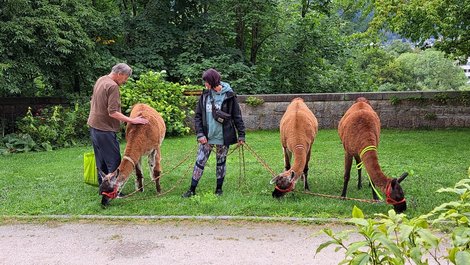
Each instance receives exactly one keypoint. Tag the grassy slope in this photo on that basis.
(52, 182)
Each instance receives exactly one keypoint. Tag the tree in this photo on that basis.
(356, 15)
(310, 54)
(446, 21)
(428, 70)
(48, 47)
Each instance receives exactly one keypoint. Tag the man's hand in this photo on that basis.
(139, 120)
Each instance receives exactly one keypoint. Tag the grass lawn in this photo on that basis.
(51, 183)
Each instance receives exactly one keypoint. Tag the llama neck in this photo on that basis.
(300, 158)
(371, 163)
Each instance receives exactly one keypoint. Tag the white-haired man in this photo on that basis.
(105, 117)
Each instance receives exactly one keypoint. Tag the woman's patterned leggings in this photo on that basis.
(203, 154)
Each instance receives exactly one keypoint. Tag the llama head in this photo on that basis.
(395, 194)
(362, 99)
(284, 183)
(108, 186)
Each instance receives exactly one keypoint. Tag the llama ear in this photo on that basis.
(402, 177)
(116, 173)
(394, 183)
(292, 175)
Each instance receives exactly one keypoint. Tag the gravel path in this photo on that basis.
(164, 242)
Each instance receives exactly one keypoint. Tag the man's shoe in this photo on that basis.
(188, 194)
(219, 192)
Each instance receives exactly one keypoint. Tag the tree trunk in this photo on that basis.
(254, 42)
(76, 83)
(305, 6)
(240, 30)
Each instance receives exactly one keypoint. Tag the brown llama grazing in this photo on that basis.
(359, 130)
(141, 140)
(298, 129)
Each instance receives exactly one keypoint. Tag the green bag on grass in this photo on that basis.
(90, 174)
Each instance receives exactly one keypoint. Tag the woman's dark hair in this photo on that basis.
(212, 77)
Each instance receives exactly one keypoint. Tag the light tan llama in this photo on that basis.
(298, 128)
(141, 140)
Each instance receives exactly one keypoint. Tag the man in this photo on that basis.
(105, 117)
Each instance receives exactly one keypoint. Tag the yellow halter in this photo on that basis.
(365, 150)
(361, 164)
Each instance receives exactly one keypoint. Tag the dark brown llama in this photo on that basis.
(359, 130)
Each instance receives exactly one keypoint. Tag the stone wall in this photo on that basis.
(404, 110)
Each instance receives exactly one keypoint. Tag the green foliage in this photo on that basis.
(20, 143)
(456, 212)
(60, 47)
(373, 61)
(398, 47)
(393, 238)
(394, 100)
(428, 70)
(419, 21)
(56, 126)
(242, 78)
(303, 58)
(165, 97)
(259, 46)
(254, 101)
(48, 47)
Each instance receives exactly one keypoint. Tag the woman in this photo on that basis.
(218, 123)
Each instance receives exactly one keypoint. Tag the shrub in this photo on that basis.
(57, 126)
(393, 238)
(165, 97)
(19, 143)
(254, 101)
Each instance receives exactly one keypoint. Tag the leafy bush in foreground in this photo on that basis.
(395, 239)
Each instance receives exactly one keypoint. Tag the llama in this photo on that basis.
(359, 130)
(141, 140)
(298, 129)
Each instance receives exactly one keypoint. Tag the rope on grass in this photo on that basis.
(307, 192)
(162, 174)
(341, 198)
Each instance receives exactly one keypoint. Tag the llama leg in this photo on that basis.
(306, 169)
(155, 168)
(347, 172)
(287, 158)
(359, 175)
(139, 183)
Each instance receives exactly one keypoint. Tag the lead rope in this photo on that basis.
(260, 160)
(341, 198)
(307, 192)
(242, 169)
(162, 174)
